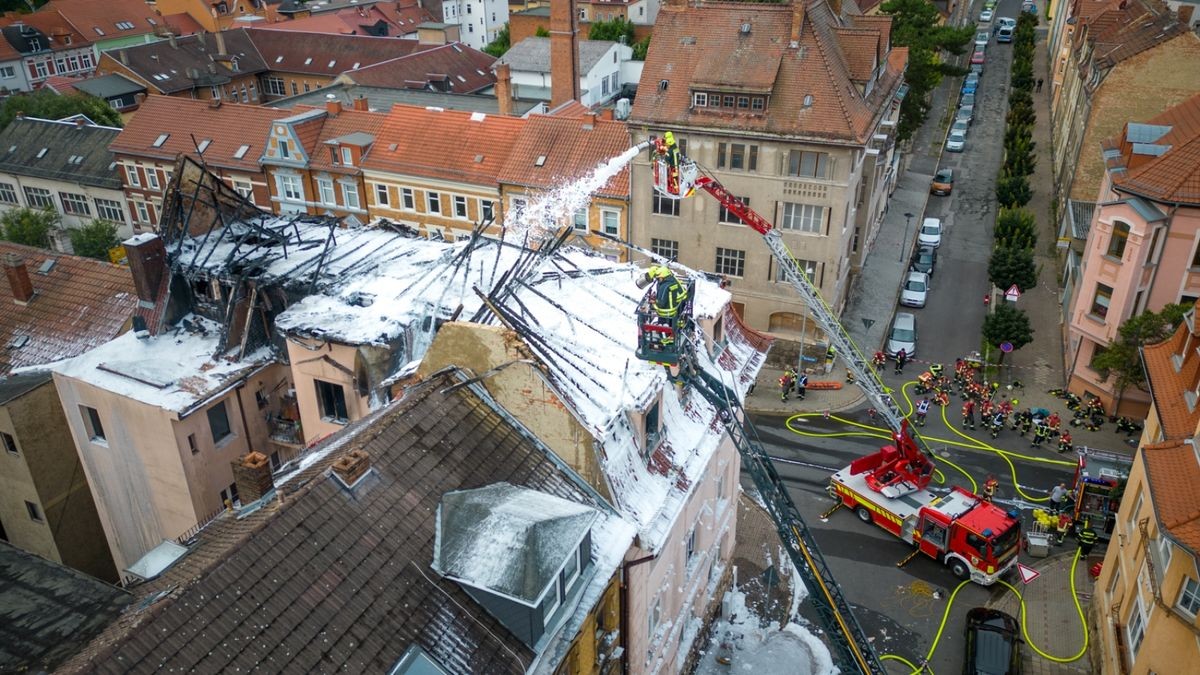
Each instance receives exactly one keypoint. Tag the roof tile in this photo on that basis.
(465, 70)
(1174, 176)
(1173, 472)
(569, 148)
(1168, 384)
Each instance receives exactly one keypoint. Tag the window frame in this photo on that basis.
(1189, 589)
(408, 199)
(664, 206)
(75, 204)
(38, 200)
(93, 426)
(460, 207)
(284, 182)
(105, 208)
(322, 402)
(820, 164)
(324, 185)
(8, 194)
(615, 230)
(1118, 240)
(382, 196)
(350, 195)
(9, 443)
(1136, 611)
(667, 248)
(728, 260)
(726, 217)
(575, 218)
(1100, 309)
(433, 199)
(802, 218)
(34, 512)
(219, 410)
(152, 181)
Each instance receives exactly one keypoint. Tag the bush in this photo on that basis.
(94, 239)
(1013, 191)
(500, 45)
(30, 227)
(1007, 324)
(1016, 228)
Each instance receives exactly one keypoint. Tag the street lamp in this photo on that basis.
(904, 242)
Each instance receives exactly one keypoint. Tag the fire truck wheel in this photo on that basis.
(959, 569)
(863, 514)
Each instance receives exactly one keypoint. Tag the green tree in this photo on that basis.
(45, 104)
(1013, 191)
(30, 227)
(1009, 266)
(1007, 324)
(916, 24)
(500, 45)
(1122, 358)
(617, 30)
(640, 48)
(94, 239)
(541, 31)
(1016, 228)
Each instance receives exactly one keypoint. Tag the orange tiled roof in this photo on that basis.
(182, 24)
(98, 20)
(570, 147)
(229, 127)
(445, 144)
(861, 48)
(344, 123)
(703, 45)
(1168, 384)
(1128, 28)
(1172, 473)
(63, 84)
(1174, 176)
(79, 304)
(56, 28)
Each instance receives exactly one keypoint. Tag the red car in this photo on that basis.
(977, 57)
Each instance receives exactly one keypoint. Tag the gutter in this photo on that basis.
(625, 567)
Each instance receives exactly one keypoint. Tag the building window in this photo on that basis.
(1196, 257)
(381, 195)
(40, 69)
(407, 199)
(654, 617)
(802, 217)
(295, 89)
(332, 400)
(571, 571)
(191, 439)
(131, 173)
(808, 164)
(1116, 243)
(652, 428)
(691, 545)
(664, 206)
(35, 514)
(611, 221)
(92, 425)
(727, 101)
(460, 207)
(350, 194)
(1164, 552)
(518, 207)
(274, 86)
(75, 204)
(433, 202)
(1103, 298)
(8, 194)
(731, 262)
(289, 187)
(218, 422)
(743, 102)
(285, 149)
(143, 212)
(553, 600)
(1189, 597)
(325, 190)
(726, 216)
(152, 179)
(700, 99)
(737, 156)
(347, 156)
(39, 198)
(667, 248)
(229, 496)
(110, 210)
(10, 443)
(1135, 628)
(1131, 524)
(7, 72)
(488, 208)
(758, 103)
(245, 189)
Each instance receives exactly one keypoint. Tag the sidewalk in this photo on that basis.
(1053, 622)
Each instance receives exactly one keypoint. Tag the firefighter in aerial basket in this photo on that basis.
(668, 295)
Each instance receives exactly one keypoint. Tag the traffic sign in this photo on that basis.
(1028, 574)
(1012, 293)
(1006, 347)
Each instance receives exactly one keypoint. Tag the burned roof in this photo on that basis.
(342, 577)
(48, 611)
(70, 151)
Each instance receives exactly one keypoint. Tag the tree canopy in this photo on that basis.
(500, 45)
(617, 30)
(1006, 323)
(1009, 266)
(916, 25)
(1122, 357)
(94, 239)
(30, 227)
(48, 105)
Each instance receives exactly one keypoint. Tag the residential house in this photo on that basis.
(438, 170)
(219, 15)
(793, 107)
(380, 19)
(46, 504)
(634, 11)
(64, 166)
(14, 76)
(230, 137)
(599, 69)
(524, 23)
(451, 69)
(400, 511)
(109, 24)
(479, 21)
(657, 452)
(48, 45)
(49, 612)
(1186, 9)
(551, 151)
(1128, 62)
(224, 65)
(313, 160)
(120, 92)
(1143, 246)
(382, 99)
(1147, 597)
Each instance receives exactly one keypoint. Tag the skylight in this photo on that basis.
(308, 61)
(241, 152)
(158, 142)
(203, 145)
(461, 78)
(278, 59)
(98, 31)
(355, 66)
(150, 21)
(331, 64)
(541, 161)
(478, 116)
(41, 153)
(124, 25)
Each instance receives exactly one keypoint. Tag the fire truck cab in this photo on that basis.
(973, 537)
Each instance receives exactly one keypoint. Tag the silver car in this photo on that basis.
(915, 289)
(956, 141)
(903, 335)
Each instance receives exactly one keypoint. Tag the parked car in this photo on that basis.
(967, 101)
(978, 56)
(981, 39)
(965, 113)
(970, 85)
(943, 182)
(956, 141)
(993, 645)
(924, 260)
(1005, 34)
(986, 15)
(930, 233)
(960, 125)
(903, 335)
(1007, 22)
(990, 4)
(977, 68)
(1028, 8)
(915, 289)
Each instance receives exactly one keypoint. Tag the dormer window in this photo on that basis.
(652, 429)
(700, 99)
(347, 156)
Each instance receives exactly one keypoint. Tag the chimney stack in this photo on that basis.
(362, 104)
(220, 37)
(79, 121)
(333, 106)
(797, 22)
(18, 278)
(352, 466)
(147, 257)
(252, 476)
(564, 53)
(589, 121)
(504, 89)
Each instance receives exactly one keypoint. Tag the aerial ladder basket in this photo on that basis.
(661, 339)
(674, 182)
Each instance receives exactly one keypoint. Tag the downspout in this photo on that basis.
(237, 393)
(625, 608)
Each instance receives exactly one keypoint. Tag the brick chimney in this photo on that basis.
(252, 476)
(564, 53)
(18, 278)
(147, 258)
(362, 104)
(332, 105)
(504, 98)
(797, 22)
(352, 466)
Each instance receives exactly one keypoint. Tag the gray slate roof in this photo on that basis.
(108, 86)
(18, 385)
(533, 54)
(48, 611)
(383, 98)
(77, 153)
(507, 539)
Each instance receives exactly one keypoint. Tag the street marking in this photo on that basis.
(1028, 574)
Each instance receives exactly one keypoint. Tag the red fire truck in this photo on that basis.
(973, 537)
